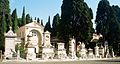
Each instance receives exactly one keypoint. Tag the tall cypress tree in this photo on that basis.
(4, 13)
(38, 20)
(107, 24)
(42, 22)
(27, 18)
(76, 20)
(14, 20)
(2, 31)
(4, 7)
(23, 17)
(48, 26)
(101, 21)
(55, 24)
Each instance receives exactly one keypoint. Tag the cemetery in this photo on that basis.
(37, 46)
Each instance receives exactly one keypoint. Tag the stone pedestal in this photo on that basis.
(61, 51)
(31, 55)
(30, 49)
(47, 52)
(90, 53)
(96, 51)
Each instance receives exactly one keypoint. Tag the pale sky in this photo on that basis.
(45, 8)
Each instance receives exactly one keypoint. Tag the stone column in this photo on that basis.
(72, 49)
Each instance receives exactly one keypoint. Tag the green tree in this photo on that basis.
(75, 21)
(23, 17)
(19, 22)
(14, 20)
(117, 12)
(42, 22)
(8, 21)
(4, 13)
(2, 31)
(27, 18)
(4, 7)
(38, 20)
(101, 18)
(55, 24)
(48, 26)
(107, 24)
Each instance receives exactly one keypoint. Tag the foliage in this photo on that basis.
(4, 13)
(42, 22)
(38, 20)
(23, 17)
(27, 18)
(107, 23)
(75, 21)
(14, 20)
(101, 17)
(4, 7)
(55, 24)
(48, 26)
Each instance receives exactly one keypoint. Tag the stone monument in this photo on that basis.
(101, 51)
(10, 43)
(90, 53)
(61, 51)
(47, 48)
(97, 52)
(72, 49)
(30, 49)
(83, 51)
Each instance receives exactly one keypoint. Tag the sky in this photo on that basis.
(44, 8)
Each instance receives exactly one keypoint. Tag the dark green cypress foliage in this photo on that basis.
(14, 20)
(27, 18)
(48, 26)
(75, 21)
(23, 17)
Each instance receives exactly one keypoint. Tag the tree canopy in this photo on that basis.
(107, 23)
(14, 20)
(48, 25)
(76, 20)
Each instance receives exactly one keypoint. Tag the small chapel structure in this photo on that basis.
(36, 41)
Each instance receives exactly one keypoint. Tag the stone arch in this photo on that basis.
(39, 35)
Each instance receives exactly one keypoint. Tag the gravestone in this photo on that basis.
(61, 51)
(30, 49)
(97, 51)
(90, 53)
(47, 48)
(72, 49)
(10, 44)
(83, 51)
